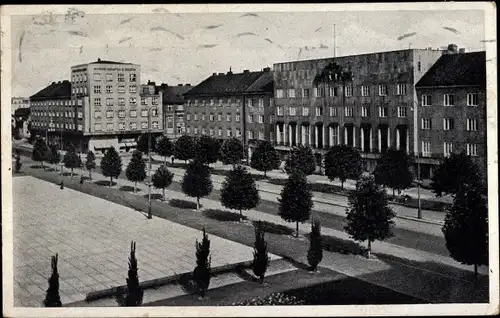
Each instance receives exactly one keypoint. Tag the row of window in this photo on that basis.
(121, 101)
(471, 149)
(348, 111)
(122, 113)
(335, 91)
(57, 103)
(449, 124)
(250, 118)
(109, 89)
(229, 132)
(227, 102)
(449, 100)
(81, 78)
(121, 126)
(57, 125)
(58, 114)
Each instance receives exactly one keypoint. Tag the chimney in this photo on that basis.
(179, 84)
(461, 51)
(452, 49)
(213, 74)
(230, 71)
(187, 84)
(246, 71)
(221, 73)
(98, 59)
(266, 69)
(53, 83)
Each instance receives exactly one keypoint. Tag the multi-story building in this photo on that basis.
(373, 111)
(19, 102)
(173, 109)
(112, 116)
(55, 115)
(452, 110)
(151, 110)
(232, 105)
(20, 110)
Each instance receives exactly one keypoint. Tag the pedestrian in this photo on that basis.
(172, 158)
(62, 184)
(81, 179)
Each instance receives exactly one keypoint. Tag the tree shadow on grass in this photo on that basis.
(154, 196)
(295, 263)
(243, 274)
(224, 216)
(341, 246)
(187, 284)
(274, 228)
(104, 183)
(37, 167)
(127, 188)
(183, 204)
(68, 174)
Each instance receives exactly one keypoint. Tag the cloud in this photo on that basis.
(407, 35)
(20, 46)
(125, 39)
(126, 20)
(245, 33)
(78, 33)
(269, 40)
(488, 41)
(318, 29)
(155, 49)
(249, 15)
(451, 30)
(209, 27)
(207, 46)
(159, 28)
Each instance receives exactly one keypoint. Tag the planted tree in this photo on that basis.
(41, 151)
(52, 298)
(197, 181)
(111, 165)
(454, 171)
(201, 274)
(90, 163)
(239, 191)
(184, 148)
(71, 159)
(232, 152)
(162, 179)
(393, 170)
(315, 252)
(164, 148)
(265, 158)
(136, 169)
(135, 293)
(300, 159)
(207, 149)
(55, 156)
(260, 255)
(18, 162)
(143, 143)
(466, 227)
(342, 162)
(369, 217)
(295, 203)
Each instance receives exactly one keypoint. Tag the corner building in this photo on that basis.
(373, 112)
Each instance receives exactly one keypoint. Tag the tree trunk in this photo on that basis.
(197, 203)
(241, 216)
(369, 248)
(342, 184)
(163, 194)
(265, 174)
(71, 172)
(111, 181)
(393, 193)
(297, 229)
(475, 273)
(42, 164)
(165, 160)
(90, 174)
(135, 186)
(261, 279)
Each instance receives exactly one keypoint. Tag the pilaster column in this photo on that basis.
(337, 142)
(345, 135)
(290, 134)
(388, 137)
(379, 140)
(362, 132)
(371, 139)
(316, 139)
(310, 135)
(354, 136)
(278, 134)
(303, 135)
(323, 135)
(398, 141)
(330, 136)
(284, 134)
(407, 142)
(297, 140)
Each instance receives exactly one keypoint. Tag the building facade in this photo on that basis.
(452, 110)
(232, 105)
(372, 112)
(19, 102)
(173, 109)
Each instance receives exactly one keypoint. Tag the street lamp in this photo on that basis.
(416, 155)
(150, 216)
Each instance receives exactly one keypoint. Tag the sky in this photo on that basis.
(177, 48)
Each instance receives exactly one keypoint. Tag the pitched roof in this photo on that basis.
(99, 61)
(231, 83)
(456, 69)
(174, 94)
(54, 91)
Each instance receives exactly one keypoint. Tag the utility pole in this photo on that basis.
(150, 216)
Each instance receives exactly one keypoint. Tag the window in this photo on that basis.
(188, 130)
(121, 126)
(305, 92)
(426, 123)
(419, 66)
(97, 77)
(143, 101)
(472, 99)
(121, 89)
(133, 113)
(261, 135)
(195, 117)
(238, 132)
(109, 89)
(305, 111)
(211, 117)
(109, 126)
(279, 111)
(97, 101)
(195, 130)
(291, 93)
(219, 132)
(219, 117)
(121, 114)
(364, 111)
(121, 77)
(80, 115)
(448, 123)
(109, 77)
(348, 111)
(203, 116)
(382, 90)
(155, 100)
(279, 93)
(109, 114)
(471, 150)
(109, 101)
(228, 132)
(132, 77)
(132, 89)
(332, 91)
(250, 134)
(97, 127)
(132, 101)
(250, 118)
(97, 114)
(121, 101)
(402, 111)
(228, 117)
(447, 149)
(80, 127)
(401, 89)
(144, 125)
(261, 119)
(211, 131)
(333, 111)
(426, 148)
(319, 111)
(449, 100)
(365, 90)
(471, 124)
(319, 92)
(291, 111)
(85, 90)
(348, 91)
(154, 124)
(97, 89)
(382, 112)
(144, 113)
(426, 100)
(249, 102)
(261, 103)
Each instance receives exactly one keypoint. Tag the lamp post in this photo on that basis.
(417, 156)
(150, 216)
